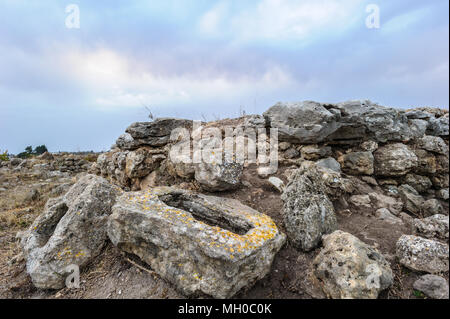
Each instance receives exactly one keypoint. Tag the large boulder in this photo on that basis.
(70, 231)
(141, 162)
(394, 160)
(439, 126)
(357, 163)
(308, 212)
(348, 268)
(422, 254)
(214, 177)
(313, 122)
(302, 122)
(202, 244)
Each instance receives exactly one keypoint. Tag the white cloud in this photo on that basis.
(211, 21)
(112, 81)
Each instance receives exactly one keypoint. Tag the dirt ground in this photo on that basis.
(113, 275)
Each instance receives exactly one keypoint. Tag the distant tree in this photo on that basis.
(4, 156)
(29, 149)
(41, 149)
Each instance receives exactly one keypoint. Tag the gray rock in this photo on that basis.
(422, 254)
(433, 286)
(348, 268)
(360, 201)
(308, 212)
(126, 142)
(369, 146)
(71, 230)
(385, 215)
(302, 122)
(442, 194)
(433, 144)
(291, 153)
(312, 122)
(439, 126)
(202, 244)
(433, 227)
(393, 204)
(15, 161)
(156, 133)
(427, 164)
(277, 183)
(418, 127)
(329, 163)
(141, 162)
(432, 207)
(215, 177)
(357, 163)
(411, 199)
(420, 183)
(394, 160)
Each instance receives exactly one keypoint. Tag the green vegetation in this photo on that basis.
(38, 150)
(4, 156)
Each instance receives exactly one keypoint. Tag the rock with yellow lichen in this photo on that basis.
(70, 231)
(204, 245)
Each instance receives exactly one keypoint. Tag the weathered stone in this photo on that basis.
(277, 183)
(433, 144)
(418, 127)
(329, 163)
(369, 146)
(308, 213)
(71, 230)
(427, 163)
(283, 146)
(385, 215)
(127, 142)
(202, 244)
(141, 162)
(422, 254)
(214, 177)
(313, 152)
(357, 163)
(443, 194)
(302, 122)
(291, 153)
(440, 181)
(360, 201)
(439, 126)
(156, 133)
(433, 227)
(364, 119)
(378, 200)
(432, 286)
(46, 156)
(432, 207)
(348, 268)
(418, 182)
(394, 160)
(411, 199)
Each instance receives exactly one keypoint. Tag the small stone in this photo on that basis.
(433, 286)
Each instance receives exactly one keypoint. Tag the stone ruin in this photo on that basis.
(209, 245)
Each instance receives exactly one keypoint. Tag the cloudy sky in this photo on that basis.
(79, 88)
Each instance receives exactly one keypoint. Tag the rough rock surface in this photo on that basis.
(348, 268)
(432, 207)
(411, 199)
(202, 244)
(71, 230)
(357, 163)
(308, 212)
(422, 254)
(312, 122)
(215, 177)
(394, 160)
(432, 286)
(433, 227)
